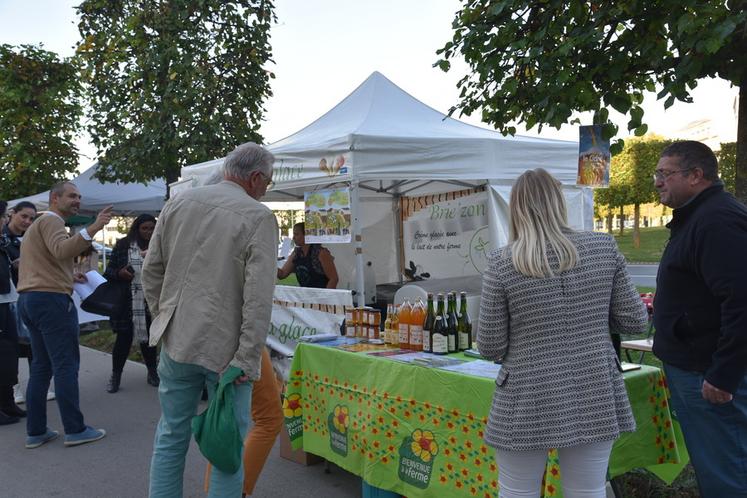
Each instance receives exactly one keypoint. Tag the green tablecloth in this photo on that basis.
(418, 431)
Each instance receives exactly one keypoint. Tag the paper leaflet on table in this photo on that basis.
(85, 289)
(478, 368)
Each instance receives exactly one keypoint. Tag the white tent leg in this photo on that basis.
(103, 233)
(360, 293)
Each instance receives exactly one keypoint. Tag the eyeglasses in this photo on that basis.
(268, 180)
(662, 174)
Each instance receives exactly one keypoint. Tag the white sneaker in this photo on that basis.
(18, 394)
(50, 395)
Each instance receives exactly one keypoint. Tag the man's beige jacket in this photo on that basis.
(209, 277)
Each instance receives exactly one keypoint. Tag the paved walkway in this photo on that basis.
(117, 466)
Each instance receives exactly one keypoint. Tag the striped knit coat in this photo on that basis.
(561, 383)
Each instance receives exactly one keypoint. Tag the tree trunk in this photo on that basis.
(622, 220)
(740, 190)
(610, 218)
(637, 226)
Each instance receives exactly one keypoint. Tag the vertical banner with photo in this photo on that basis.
(593, 157)
(446, 235)
(327, 216)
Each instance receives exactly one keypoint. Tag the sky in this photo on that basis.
(323, 49)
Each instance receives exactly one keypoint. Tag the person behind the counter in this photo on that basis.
(313, 264)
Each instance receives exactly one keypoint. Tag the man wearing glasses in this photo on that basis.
(208, 279)
(700, 315)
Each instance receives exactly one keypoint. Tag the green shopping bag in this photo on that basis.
(216, 429)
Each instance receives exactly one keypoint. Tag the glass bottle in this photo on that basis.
(394, 330)
(464, 326)
(388, 324)
(439, 334)
(404, 325)
(417, 318)
(451, 322)
(430, 318)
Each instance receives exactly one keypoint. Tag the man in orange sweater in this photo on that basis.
(45, 286)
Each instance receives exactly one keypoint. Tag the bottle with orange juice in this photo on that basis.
(405, 312)
(417, 317)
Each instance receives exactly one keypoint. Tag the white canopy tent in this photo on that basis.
(386, 144)
(127, 198)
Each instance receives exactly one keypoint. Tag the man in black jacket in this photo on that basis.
(700, 315)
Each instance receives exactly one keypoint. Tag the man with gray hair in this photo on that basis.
(208, 279)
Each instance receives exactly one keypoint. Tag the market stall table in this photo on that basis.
(418, 430)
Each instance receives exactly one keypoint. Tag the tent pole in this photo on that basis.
(397, 211)
(357, 243)
(103, 233)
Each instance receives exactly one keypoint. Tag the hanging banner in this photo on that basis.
(303, 311)
(327, 216)
(446, 235)
(593, 157)
(332, 165)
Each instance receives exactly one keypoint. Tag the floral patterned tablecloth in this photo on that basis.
(418, 431)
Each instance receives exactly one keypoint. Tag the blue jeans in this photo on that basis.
(715, 435)
(179, 393)
(52, 320)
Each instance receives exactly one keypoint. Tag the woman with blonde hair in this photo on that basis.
(549, 300)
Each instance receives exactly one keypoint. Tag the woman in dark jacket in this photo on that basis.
(133, 321)
(9, 411)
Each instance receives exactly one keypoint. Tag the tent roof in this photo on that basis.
(380, 108)
(127, 198)
(387, 135)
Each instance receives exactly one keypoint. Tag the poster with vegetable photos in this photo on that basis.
(327, 216)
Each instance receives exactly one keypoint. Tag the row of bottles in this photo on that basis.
(439, 330)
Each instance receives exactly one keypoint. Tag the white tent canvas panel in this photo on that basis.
(393, 145)
(127, 198)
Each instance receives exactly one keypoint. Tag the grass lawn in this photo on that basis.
(653, 241)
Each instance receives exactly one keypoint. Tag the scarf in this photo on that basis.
(139, 325)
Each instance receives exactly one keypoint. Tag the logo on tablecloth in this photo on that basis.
(338, 422)
(292, 412)
(416, 455)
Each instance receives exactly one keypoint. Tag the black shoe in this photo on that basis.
(13, 410)
(114, 381)
(153, 378)
(8, 419)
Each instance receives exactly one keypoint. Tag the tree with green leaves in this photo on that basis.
(173, 83)
(538, 62)
(632, 172)
(40, 115)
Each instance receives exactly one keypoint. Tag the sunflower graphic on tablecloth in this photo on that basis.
(292, 406)
(338, 422)
(292, 411)
(416, 455)
(423, 445)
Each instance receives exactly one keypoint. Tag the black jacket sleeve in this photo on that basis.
(119, 259)
(720, 251)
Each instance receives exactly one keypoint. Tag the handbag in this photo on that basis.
(108, 299)
(216, 429)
